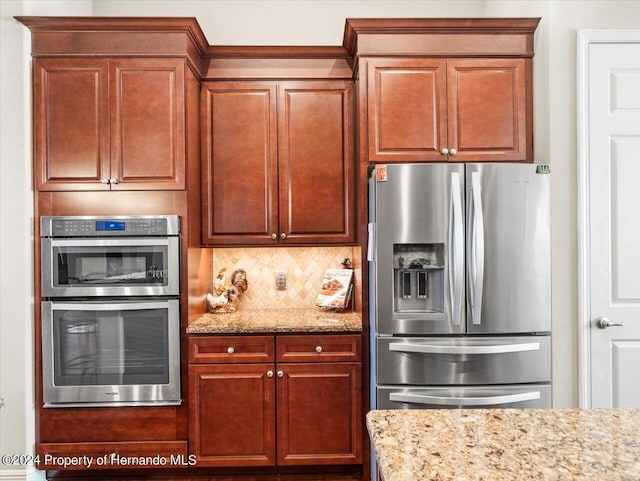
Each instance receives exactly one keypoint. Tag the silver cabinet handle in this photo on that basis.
(444, 151)
(280, 374)
(274, 236)
(475, 249)
(456, 250)
(104, 181)
(464, 401)
(318, 349)
(269, 373)
(283, 236)
(444, 349)
(603, 323)
(453, 152)
(230, 350)
(113, 180)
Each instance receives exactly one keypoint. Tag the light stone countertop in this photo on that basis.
(276, 320)
(507, 444)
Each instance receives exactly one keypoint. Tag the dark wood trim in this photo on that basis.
(382, 29)
(273, 51)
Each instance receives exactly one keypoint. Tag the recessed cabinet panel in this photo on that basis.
(71, 116)
(406, 109)
(147, 115)
(316, 166)
(324, 398)
(106, 124)
(233, 414)
(278, 164)
(240, 170)
(487, 109)
(456, 110)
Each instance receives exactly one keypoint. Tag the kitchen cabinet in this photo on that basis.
(239, 386)
(109, 124)
(278, 162)
(455, 109)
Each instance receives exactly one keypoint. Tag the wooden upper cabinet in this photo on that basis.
(105, 124)
(447, 109)
(486, 110)
(240, 176)
(147, 124)
(71, 124)
(316, 163)
(407, 109)
(278, 163)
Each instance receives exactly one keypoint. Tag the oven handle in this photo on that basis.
(464, 401)
(444, 349)
(108, 306)
(108, 242)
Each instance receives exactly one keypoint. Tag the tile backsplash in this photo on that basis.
(305, 267)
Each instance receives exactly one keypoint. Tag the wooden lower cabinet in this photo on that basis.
(233, 413)
(279, 413)
(319, 413)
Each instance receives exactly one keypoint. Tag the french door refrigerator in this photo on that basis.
(460, 285)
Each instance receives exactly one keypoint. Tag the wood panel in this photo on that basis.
(231, 349)
(407, 109)
(232, 414)
(326, 399)
(71, 124)
(147, 124)
(239, 190)
(319, 348)
(316, 165)
(125, 455)
(487, 109)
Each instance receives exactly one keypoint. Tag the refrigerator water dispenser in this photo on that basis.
(418, 271)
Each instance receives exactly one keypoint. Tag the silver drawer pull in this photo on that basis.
(444, 349)
(318, 349)
(231, 350)
(269, 373)
(464, 401)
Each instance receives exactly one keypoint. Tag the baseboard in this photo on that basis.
(29, 474)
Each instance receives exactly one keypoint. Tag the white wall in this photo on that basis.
(294, 22)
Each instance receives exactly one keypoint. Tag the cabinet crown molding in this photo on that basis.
(427, 36)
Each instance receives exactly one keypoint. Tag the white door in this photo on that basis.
(612, 234)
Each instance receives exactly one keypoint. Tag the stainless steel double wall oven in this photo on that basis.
(111, 318)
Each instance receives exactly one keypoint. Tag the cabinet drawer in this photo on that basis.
(230, 349)
(319, 348)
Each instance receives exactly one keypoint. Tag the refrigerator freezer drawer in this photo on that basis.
(463, 361)
(427, 397)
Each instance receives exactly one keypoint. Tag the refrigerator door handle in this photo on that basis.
(464, 401)
(475, 249)
(444, 349)
(456, 250)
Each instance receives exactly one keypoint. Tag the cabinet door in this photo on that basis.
(319, 413)
(71, 124)
(487, 108)
(239, 190)
(406, 109)
(316, 162)
(232, 414)
(147, 124)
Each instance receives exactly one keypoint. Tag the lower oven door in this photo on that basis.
(111, 353)
(425, 397)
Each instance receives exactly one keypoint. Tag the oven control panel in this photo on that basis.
(110, 226)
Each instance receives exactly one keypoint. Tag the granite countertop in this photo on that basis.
(507, 444)
(276, 320)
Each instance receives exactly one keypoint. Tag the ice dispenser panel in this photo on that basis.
(418, 271)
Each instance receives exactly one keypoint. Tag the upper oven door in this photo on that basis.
(110, 267)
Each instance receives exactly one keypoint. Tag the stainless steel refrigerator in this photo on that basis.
(460, 288)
